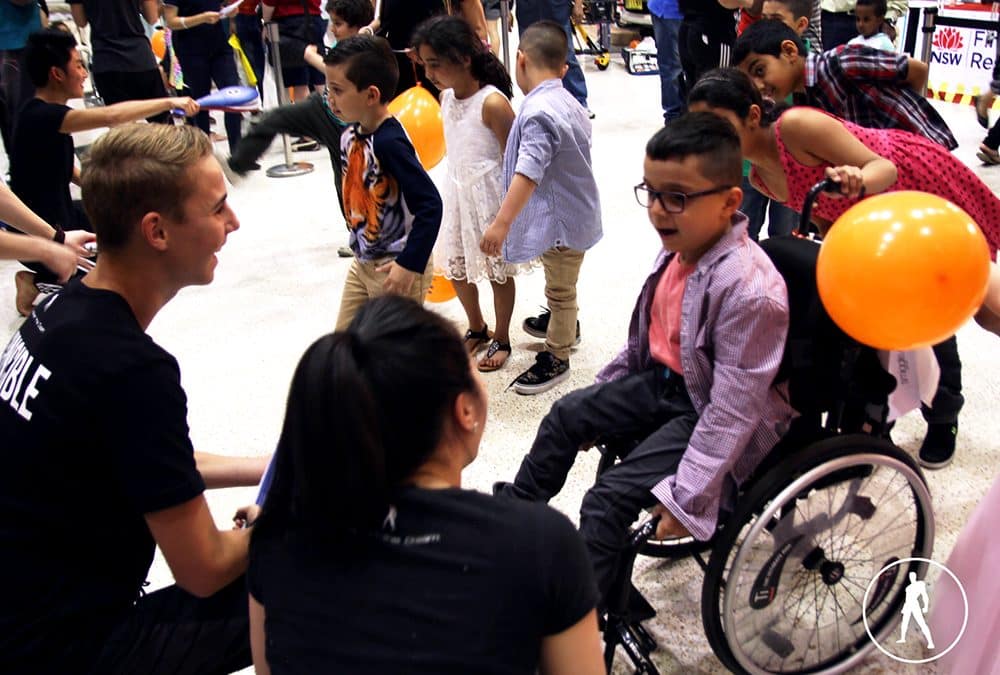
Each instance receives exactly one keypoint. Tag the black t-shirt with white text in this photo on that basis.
(41, 162)
(457, 582)
(94, 427)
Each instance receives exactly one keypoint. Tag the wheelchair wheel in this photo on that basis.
(788, 573)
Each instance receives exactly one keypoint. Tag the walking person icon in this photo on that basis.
(916, 591)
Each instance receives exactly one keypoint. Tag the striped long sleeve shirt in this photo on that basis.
(733, 330)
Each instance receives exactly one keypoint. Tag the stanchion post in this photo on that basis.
(505, 32)
(290, 167)
(930, 20)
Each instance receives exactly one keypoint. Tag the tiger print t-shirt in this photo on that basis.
(391, 205)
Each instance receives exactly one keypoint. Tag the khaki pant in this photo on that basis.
(562, 269)
(363, 283)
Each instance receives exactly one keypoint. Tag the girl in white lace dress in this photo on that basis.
(475, 104)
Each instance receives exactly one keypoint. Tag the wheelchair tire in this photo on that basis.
(673, 549)
(804, 535)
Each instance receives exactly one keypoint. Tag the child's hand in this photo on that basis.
(849, 178)
(400, 279)
(668, 527)
(492, 242)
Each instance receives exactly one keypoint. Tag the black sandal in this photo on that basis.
(495, 347)
(479, 339)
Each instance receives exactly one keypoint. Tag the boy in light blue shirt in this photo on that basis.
(552, 208)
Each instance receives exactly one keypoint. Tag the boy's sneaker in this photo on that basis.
(304, 144)
(938, 447)
(345, 252)
(538, 326)
(547, 372)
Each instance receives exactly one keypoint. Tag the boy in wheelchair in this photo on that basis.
(695, 383)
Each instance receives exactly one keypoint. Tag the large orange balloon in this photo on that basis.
(420, 115)
(903, 270)
(159, 44)
(441, 289)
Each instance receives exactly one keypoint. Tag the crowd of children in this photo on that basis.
(379, 481)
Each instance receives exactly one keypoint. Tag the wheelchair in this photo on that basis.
(792, 579)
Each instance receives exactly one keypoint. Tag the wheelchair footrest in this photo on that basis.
(639, 608)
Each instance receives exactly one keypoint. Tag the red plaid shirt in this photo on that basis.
(868, 87)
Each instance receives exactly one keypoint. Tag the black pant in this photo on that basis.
(702, 48)
(307, 118)
(15, 90)
(948, 399)
(200, 70)
(648, 407)
(115, 87)
(838, 28)
(79, 221)
(172, 631)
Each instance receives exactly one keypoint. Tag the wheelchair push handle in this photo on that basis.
(825, 185)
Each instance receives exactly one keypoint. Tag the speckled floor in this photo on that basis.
(277, 288)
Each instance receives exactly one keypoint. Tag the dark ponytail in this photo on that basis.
(366, 409)
(454, 40)
(731, 89)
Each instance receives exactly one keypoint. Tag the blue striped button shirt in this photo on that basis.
(549, 144)
(733, 329)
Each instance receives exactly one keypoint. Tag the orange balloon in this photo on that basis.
(159, 44)
(903, 270)
(420, 115)
(441, 289)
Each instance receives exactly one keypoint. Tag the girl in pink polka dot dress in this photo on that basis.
(804, 146)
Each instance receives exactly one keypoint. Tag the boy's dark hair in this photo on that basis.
(545, 44)
(45, 49)
(710, 138)
(354, 431)
(368, 61)
(798, 8)
(453, 40)
(880, 7)
(355, 13)
(765, 37)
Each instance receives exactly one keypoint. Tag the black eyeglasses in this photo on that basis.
(672, 202)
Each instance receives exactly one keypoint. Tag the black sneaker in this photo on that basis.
(938, 447)
(538, 326)
(547, 372)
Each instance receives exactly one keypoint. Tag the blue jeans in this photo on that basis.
(248, 30)
(530, 11)
(781, 219)
(668, 58)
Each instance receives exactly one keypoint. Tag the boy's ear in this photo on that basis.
(374, 94)
(789, 49)
(563, 71)
(801, 24)
(734, 198)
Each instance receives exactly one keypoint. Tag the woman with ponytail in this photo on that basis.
(475, 104)
(369, 557)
